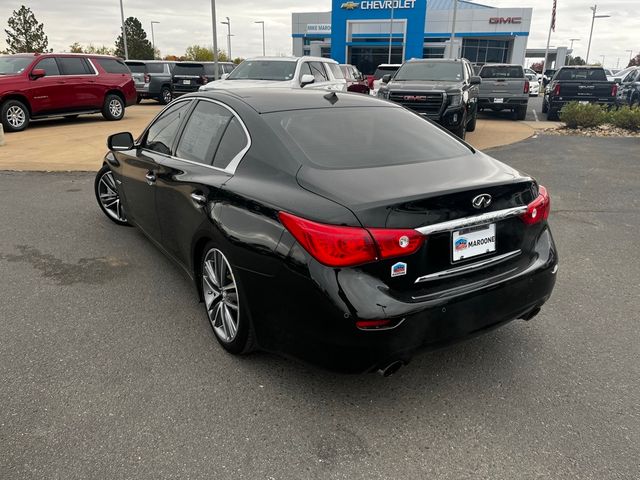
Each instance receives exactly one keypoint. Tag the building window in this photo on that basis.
(325, 52)
(433, 52)
(485, 51)
(306, 51)
(367, 59)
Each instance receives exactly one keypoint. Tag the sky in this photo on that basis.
(187, 22)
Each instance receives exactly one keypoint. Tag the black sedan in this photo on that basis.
(336, 228)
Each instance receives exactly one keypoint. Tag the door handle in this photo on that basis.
(151, 177)
(198, 199)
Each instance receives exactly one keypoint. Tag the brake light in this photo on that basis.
(556, 89)
(614, 90)
(147, 78)
(526, 86)
(539, 209)
(204, 79)
(340, 246)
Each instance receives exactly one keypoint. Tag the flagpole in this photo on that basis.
(551, 26)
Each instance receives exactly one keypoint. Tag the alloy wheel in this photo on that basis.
(166, 95)
(220, 295)
(109, 197)
(16, 116)
(115, 107)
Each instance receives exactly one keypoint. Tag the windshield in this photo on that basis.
(587, 74)
(382, 71)
(436, 71)
(12, 65)
(501, 72)
(264, 70)
(386, 136)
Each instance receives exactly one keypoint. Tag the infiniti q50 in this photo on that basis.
(336, 228)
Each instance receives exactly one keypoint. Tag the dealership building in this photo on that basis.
(363, 32)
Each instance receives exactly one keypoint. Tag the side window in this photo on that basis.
(232, 143)
(203, 131)
(74, 66)
(111, 65)
(335, 69)
(49, 65)
(318, 71)
(305, 69)
(162, 132)
(155, 67)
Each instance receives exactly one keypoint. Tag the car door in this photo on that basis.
(139, 167)
(47, 94)
(189, 185)
(80, 83)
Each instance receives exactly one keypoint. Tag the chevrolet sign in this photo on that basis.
(379, 4)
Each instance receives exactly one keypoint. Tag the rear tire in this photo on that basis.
(471, 126)
(521, 112)
(15, 116)
(165, 96)
(139, 99)
(225, 302)
(113, 108)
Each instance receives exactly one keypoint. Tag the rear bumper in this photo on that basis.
(506, 102)
(312, 315)
(557, 104)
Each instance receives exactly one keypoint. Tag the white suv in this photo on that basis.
(283, 72)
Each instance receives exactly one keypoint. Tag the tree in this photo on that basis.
(91, 48)
(204, 54)
(138, 46)
(634, 62)
(25, 34)
(238, 60)
(76, 48)
(575, 61)
(536, 67)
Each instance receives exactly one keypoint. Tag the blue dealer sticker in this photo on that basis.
(398, 269)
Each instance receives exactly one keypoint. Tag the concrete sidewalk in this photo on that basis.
(80, 144)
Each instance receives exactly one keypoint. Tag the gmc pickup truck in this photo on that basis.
(504, 87)
(578, 84)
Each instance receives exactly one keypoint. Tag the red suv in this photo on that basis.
(45, 85)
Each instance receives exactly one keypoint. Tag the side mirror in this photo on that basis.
(37, 73)
(306, 80)
(224, 76)
(475, 80)
(386, 78)
(119, 142)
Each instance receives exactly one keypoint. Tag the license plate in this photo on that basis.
(474, 241)
(583, 102)
(186, 82)
(498, 100)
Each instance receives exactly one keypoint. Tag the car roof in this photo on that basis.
(294, 59)
(386, 65)
(282, 99)
(435, 60)
(504, 65)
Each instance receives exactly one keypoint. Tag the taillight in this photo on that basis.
(147, 78)
(526, 86)
(340, 246)
(204, 79)
(556, 89)
(539, 209)
(614, 90)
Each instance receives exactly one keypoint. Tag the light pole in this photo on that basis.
(228, 24)
(263, 49)
(603, 57)
(390, 33)
(153, 38)
(215, 39)
(573, 40)
(453, 31)
(593, 18)
(630, 54)
(124, 33)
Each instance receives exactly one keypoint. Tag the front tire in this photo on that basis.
(461, 131)
(225, 302)
(15, 116)
(108, 197)
(113, 108)
(471, 126)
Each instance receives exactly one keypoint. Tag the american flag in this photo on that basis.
(553, 16)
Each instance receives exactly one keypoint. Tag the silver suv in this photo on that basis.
(284, 72)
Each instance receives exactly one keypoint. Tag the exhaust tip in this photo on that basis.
(391, 368)
(530, 314)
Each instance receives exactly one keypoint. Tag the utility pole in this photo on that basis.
(454, 48)
(228, 24)
(263, 49)
(593, 18)
(546, 51)
(215, 40)
(603, 57)
(153, 39)
(124, 33)
(390, 33)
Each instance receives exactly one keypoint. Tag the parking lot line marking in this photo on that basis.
(535, 115)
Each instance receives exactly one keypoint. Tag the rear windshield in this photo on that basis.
(136, 67)
(10, 65)
(189, 69)
(385, 136)
(264, 70)
(436, 71)
(382, 71)
(502, 72)
(587, 74)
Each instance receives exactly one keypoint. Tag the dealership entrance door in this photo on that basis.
(367, 59)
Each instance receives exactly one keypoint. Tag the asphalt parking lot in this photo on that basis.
(110, 370)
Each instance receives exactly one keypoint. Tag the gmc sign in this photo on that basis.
(500, 20)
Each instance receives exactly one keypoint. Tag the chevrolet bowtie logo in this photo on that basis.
(350, 5)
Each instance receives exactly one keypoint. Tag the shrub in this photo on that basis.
(575, 115)
(627, 118)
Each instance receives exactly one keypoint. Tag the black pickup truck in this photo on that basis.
(445, 91)
(578, 84)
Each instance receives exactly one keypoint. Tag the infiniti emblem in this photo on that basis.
(481, 201)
